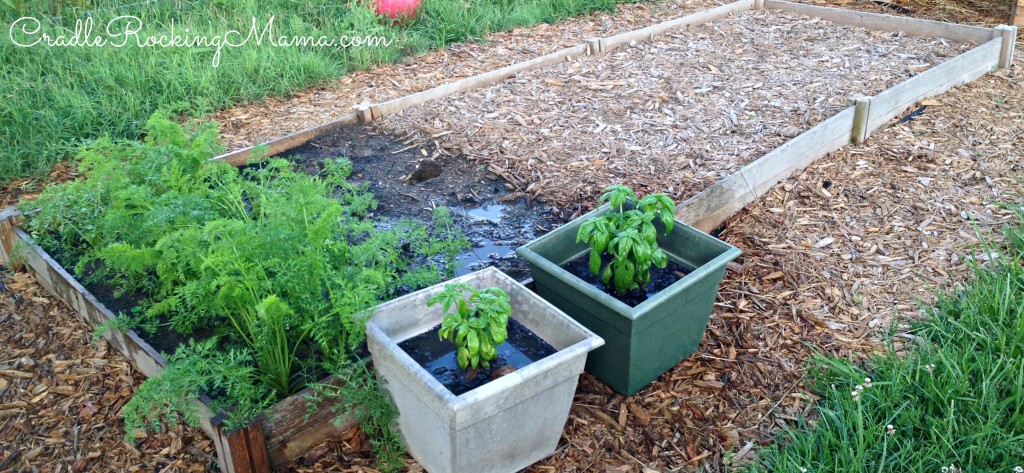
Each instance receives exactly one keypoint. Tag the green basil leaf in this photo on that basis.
(595, 262)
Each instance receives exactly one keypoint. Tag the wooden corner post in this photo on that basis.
(1017, 16)
(367, 113)
(1009, 35)
(861, 112)
(8, 220)
(243, 450)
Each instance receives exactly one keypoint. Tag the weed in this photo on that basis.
(357, 392)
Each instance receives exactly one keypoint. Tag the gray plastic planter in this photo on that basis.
(645, 341)
(502, 426)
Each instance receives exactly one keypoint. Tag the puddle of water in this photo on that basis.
(480, 257)
(486, 251)
(491, 213)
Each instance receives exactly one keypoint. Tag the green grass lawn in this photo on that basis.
(955, 402)
(53, 98)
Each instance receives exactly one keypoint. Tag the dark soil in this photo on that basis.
(660, 278)
(164, 338)
(409, 182)
(438, 357)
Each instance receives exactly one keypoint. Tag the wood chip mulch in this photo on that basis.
(248, 125)
(60, 396)
(676, 114)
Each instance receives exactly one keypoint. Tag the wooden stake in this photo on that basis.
(593, 46)
(758, 4)
(365, 113)
(861, 112)
(1017, 16)
(1009, 36)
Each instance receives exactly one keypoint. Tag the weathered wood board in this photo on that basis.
(287, 142)
(648, 33)
(937, 80)
(710, 208)
(880, 22)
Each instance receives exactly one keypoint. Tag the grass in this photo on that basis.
(955, 401)
(54, 98)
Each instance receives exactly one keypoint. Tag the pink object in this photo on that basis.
(397, 9)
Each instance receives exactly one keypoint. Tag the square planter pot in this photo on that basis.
(642, 342)
(502, 426)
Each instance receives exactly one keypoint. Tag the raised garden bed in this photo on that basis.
(285, 436)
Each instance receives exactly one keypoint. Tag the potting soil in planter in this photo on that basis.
(661, 278)
(438, 357)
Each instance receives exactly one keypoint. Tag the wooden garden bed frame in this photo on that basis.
(284, 433)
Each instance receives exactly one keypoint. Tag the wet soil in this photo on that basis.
(661, 278)
(410, 181)
(438, 357)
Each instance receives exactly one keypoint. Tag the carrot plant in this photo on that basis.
(281, 267)
(627, 234)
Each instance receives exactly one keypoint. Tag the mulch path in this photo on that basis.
(833, 258)
(61, 395)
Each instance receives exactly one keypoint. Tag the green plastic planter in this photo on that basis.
(642, 342)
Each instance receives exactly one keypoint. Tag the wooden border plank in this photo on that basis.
(646, 34)
(939, 79)
(55, 279)
(881, 22)
(710, 208)
(288, 142)
(290, 434)
(1017, 15)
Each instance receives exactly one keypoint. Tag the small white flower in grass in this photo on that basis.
(804, 470)
(855, 395)
(929, 368)
(1018, 470)
(867, 382)
(890, 430)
